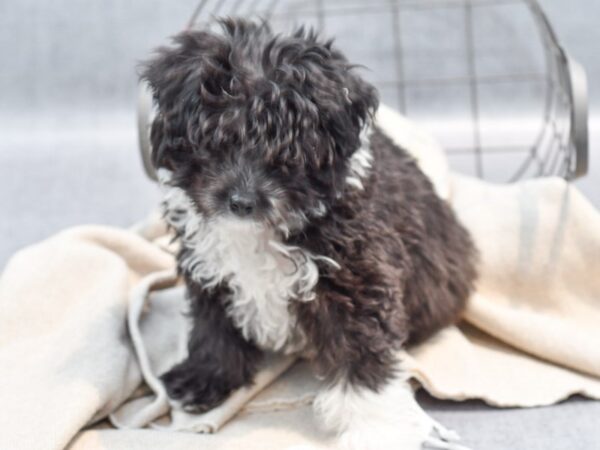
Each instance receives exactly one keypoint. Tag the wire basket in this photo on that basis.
(487, 77)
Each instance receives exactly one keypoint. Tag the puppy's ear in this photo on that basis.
(168, 148)
(362, 97)
(358, 103)
(177, 76)
(180, 71)
(346, 101)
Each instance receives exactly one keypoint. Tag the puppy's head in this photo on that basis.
(257, 126)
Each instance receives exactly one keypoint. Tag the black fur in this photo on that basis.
(219, 359)
(278, 118)
(407, 269)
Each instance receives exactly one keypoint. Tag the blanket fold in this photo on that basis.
(65, 357)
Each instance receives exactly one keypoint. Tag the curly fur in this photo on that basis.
(346, 254)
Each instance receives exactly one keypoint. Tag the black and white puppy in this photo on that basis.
(303, 228)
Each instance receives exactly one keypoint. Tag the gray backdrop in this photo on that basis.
(68, 153)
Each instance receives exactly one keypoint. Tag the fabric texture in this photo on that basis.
(79, 332)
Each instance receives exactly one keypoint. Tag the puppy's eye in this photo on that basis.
(283, 164)
(291, 159)
(173, 159)
(284, 170)
(198, 163)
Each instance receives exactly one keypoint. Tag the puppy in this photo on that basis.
(303, 228)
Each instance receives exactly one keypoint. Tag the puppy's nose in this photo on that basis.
(242, 205)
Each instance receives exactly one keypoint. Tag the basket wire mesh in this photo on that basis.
(487, 77)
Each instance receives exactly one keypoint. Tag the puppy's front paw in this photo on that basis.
(196, 390)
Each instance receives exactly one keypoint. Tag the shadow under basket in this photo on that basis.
(488, 78)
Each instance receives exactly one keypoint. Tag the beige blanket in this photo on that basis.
(89, 314)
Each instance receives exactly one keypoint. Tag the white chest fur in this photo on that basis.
(263, 274)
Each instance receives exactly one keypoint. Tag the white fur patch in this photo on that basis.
(385, 420)
(263, 273)
(361, 161)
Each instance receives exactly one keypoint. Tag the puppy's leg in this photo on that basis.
(219, 358)
(368, 403)
(383, 419)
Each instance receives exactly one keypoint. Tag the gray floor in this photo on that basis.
(68, 155)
